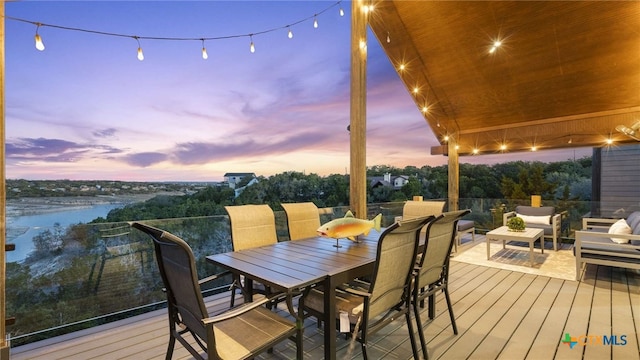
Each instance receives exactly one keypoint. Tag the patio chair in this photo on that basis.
(303, 220)
(251, 226)
(413, 209)
(433, 268)
(372, 305)
(238, 333)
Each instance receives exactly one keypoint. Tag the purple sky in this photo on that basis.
(87, 108)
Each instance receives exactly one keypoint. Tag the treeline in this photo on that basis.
(565, 180)
(21, 188)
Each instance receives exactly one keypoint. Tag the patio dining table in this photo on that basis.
(292, 265)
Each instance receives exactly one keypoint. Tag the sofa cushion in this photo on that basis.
(465, 225)
(620, 227)
(535, 211)
(634, 220)
(533, 219)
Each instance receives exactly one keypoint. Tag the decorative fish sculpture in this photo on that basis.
(349, 227)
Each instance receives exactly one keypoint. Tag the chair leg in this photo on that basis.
(423, 343)
(412, 336)
(172, 343)
(453, 319)
(432, 306)
(364, 350)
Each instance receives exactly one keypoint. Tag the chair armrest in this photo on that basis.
(597, 223)
(506, 216)
(357, 292)
(556, 222)
(246, 307)
(213, 277)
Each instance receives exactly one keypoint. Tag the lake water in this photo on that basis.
(41, 222)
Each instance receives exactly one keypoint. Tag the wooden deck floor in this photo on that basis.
(500, 314)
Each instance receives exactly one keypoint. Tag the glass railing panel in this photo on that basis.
(83, 275)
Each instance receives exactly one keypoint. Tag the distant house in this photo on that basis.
(233, 179)
(387, 180)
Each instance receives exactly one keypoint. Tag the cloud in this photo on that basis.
(145, 159)
(53, 150)
(104, 133)
(203, 152)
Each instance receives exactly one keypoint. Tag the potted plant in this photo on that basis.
(516, 224)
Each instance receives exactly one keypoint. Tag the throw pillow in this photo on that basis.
(620, 227)
(530, 219)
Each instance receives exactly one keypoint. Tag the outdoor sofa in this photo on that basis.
(610, 242)
(542, 217)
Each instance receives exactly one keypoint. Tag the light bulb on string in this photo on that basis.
(341, 11)
(39, 43)
(315, 21)
(388, 37)
(290, 34)
(205, 56)
(252, 47)
(140, 54)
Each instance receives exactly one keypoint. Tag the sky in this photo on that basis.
(86, 108)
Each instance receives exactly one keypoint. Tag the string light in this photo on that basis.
(609, 141)
(252, 47)
(140, 54)
(475, 151)
(39, 43)
(425, 109)
(534, 148)
(446, 138)
(204, 51)
(496, 45)
(503, 147)
(403, 67)
(388, 37)
(40, 46)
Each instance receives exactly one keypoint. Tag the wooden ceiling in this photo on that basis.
(565, 75)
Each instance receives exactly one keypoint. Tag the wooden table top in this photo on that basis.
(290, 265)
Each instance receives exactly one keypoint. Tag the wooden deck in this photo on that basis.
(500, 314)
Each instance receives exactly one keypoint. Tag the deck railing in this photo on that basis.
(90, 274)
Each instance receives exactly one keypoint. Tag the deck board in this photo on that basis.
(500, 314)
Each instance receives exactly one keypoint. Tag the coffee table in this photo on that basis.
(529, 235)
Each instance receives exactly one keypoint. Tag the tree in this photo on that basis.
(412, 187)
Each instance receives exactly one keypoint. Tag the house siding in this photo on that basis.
(619, 177)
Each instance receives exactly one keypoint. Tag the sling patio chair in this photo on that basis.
(432, 273)
(238, 333)
(373, 305)
(251, 226)
(303, 219)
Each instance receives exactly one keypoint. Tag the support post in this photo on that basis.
(357, 126)
(453, 174)
(4, 345)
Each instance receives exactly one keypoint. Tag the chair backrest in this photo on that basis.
(395, 260)
(303, 219)
(251, 226)
(440, 235)
(178, 271)
(414, 209)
